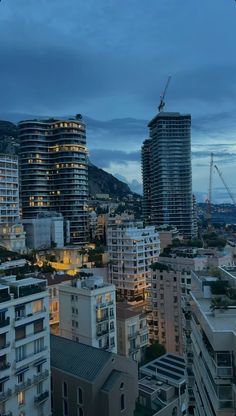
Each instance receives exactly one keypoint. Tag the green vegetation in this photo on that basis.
(219, 287)
(140, 410)
(219, 303)
(154, 351)
(159, 266)
(211, 239)
(6, 255)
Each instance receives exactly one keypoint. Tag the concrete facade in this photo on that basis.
(132, 331)
(88, 312)
(44, 232)
(24, 347)
(132, 249)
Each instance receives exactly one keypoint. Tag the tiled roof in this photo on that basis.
(78, 359)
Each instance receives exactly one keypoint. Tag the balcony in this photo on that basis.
(133, 335)
(102, 318)
(23, 386)
(6, 345)
(133, 349)
(102, 332)
(4, 322)
(42, 376)
(41, 398)
(4, 366)
(103, 305)
(5, 395)
(4, 296)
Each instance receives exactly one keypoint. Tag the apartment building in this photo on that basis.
(167, 172)
(132, 249)
(132, 331)
(88, 312)
(162, 387)
(164, 308)
(88, 381)
(212, 348)
(24, 347)
(9, 189)
(54, 171)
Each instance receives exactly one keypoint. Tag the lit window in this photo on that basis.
(21, 398)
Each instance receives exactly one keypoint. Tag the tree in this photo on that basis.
(154, 351)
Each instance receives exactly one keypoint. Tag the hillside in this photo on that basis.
(101, 182)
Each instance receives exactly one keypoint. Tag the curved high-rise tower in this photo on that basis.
(54, 171)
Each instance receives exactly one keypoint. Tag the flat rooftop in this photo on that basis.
(224, 320)
(169, 368)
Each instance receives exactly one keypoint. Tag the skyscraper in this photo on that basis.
(54, 173)
(167, 175)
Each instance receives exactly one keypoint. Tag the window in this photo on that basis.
(108, 297)
(21, 398)
(39, 368)
(79, 395)
(37, 306)
(19, 312)
(38, 326)
(21, 377)
(64, 389)
(20, 332)
(39, 388)
(65, 408)
(122, 402)
(38, 345)
(21, 353)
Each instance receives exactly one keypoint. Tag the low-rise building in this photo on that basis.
(88, 312)
(162, 387)
(24, 347)
(44, 232)
(88, 381)
(132, 331)
(12, 237)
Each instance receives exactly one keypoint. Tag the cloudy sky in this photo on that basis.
(109, 60)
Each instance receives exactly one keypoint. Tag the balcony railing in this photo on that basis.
(133, 335)
(5, 322)
(23, 386)
(6, 345)
(102, 318)
(42, 376)
(4, 366)
(41, 397)
(5, 395)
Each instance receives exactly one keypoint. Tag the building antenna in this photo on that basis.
(162, 97)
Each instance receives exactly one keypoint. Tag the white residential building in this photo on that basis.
(9, 189)
(24, 347)
(88, 312)
(212, 346)
(44, 232)
(132, 249)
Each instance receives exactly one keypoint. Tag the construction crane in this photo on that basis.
(162, 97)
(225, 184)
(209, 199)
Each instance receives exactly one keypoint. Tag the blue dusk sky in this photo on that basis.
(109, 60)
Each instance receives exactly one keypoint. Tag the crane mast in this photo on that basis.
(209, 200)
(225, 184)
(162, 97)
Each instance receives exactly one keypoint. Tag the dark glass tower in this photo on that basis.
(54, 171)
(167, 172)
